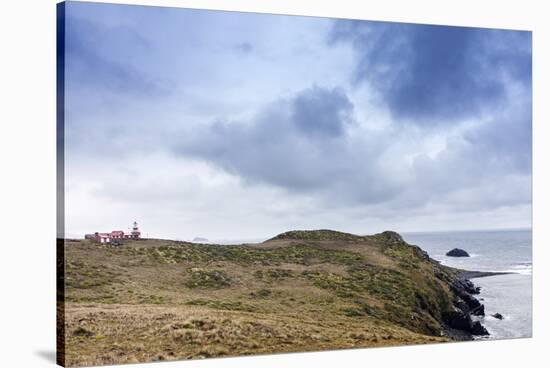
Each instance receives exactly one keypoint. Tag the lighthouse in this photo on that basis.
(115, 235)
(136, 234)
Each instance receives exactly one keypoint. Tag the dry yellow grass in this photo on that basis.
(111, 334)
(163, 300)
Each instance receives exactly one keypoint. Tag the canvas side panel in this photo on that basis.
(60, 148)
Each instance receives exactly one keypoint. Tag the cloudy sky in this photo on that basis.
(231, 125)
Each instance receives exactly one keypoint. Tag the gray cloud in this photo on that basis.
(437, 74)
(300, 144)
(244, 47)
(322, 112)
(506, 140)
(104, 58)
(313, 145)
(204, 121)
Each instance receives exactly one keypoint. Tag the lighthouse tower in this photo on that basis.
(136, 234)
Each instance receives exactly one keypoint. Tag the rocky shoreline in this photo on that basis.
(462, 323)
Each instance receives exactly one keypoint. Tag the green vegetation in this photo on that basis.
(160, 299)
(317, 235)
(273, 274)
(246, 255)
(201, 278)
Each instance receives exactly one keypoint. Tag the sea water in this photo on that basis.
(500, 251)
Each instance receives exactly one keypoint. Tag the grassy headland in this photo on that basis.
(299, 291)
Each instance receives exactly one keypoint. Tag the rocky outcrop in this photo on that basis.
(391, 237)
(457, 252)
(465, 306)
(466, 285)
(463, 322)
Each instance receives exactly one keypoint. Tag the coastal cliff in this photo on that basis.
(299, 291)
(458, 309)
(459, 322)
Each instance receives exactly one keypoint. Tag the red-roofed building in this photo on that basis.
(115, 235)
(102, 237)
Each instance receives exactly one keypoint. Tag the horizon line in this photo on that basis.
(226, 239)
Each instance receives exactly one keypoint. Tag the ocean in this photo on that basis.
(501, 251)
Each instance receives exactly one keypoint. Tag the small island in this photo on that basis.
(199, 239)
(457, 252)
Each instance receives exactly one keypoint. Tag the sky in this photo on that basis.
(229, 125)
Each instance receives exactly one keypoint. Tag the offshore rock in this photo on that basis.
(457, 252)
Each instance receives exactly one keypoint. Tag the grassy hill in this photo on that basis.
(299, 291)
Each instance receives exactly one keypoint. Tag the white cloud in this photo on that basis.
(229, 125)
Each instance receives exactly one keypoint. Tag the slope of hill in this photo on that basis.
(299, 291)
